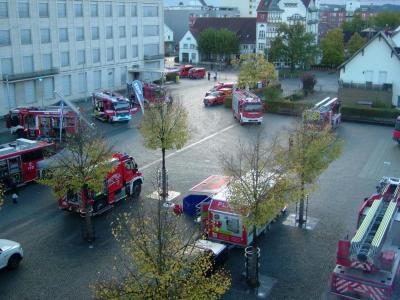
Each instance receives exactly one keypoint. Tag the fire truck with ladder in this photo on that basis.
(324, 113)
(368, 265)
(19, 159)
(112, 107)
(39, 123)
(124, 181)
(152, 93)
(247, 107)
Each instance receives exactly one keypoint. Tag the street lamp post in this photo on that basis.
(42, 90)
(8, 92)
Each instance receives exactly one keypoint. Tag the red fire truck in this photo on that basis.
(247, 107)
(112, 107)
(33, 122)
(123, 182)
(396, 130)
(209, 200)
(324, 113)
(152, 93)
(184, 71)
(368, 265)
(18, 160)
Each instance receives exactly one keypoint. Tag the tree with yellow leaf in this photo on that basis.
(157, 265)
(254, 68)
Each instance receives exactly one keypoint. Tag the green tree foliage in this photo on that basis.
(389, 19)
(332, 48)
(254, 68)
(294, 45)
(354, 44)
(158, 262)
(165, 126)
(213, 43)
(83, 167)
(311, 150)
(356, 24)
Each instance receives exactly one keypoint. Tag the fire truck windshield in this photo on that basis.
(121, 105)
(253, 107)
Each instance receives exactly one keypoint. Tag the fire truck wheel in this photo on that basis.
(241, 121)
(109, 120)
(99, 205)
(136, 189)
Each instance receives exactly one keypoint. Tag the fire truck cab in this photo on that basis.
(247, 107)
(19, 159)
(112, 107)
(123, 182)
(34, 123)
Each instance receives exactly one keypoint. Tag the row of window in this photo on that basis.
(47, 59)
(43, 11)
(63, 34)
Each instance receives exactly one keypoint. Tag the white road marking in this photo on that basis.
(189, 146)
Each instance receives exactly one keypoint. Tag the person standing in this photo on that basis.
(208, 75)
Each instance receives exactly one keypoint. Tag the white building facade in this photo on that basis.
(247, 8)
(365, 70)
(74, 47)
(272, 13)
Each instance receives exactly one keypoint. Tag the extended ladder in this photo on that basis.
(369, 236)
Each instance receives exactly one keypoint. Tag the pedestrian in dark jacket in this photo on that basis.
(208, 75)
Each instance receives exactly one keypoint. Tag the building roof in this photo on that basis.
(244, 28)
(379, 35)
(272, 5)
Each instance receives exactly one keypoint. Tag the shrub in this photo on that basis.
(379, 104)
(309, 81)
(273, 93)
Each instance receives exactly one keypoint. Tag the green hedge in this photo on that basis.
(286, 107)
(370, 112)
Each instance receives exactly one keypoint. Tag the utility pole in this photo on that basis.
(42, 89)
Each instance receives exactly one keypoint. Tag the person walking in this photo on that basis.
(215, 76)
(208, 75)
(14, 191)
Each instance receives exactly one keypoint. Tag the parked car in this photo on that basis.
(11, 254)
(222, 85)
(214, 98)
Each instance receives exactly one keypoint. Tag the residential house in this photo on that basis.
(168, 40)
(75, 47)
(272, 13)
(366, 79)
(179, 18)
(244, 28)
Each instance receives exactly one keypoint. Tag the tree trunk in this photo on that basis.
(164, 189)
(301, 220)
(89, 232)
(252, 254)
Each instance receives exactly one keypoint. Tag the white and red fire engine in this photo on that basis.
(19, 159)
(112, 107)
(324, 113)
(34, 123)
(152, 93)
(247, 107)
(368, 265)
(209, 200)
(124, 181)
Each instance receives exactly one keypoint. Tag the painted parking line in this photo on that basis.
(189, 146)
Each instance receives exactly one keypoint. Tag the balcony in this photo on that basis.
(153, 57)
(30, 75)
